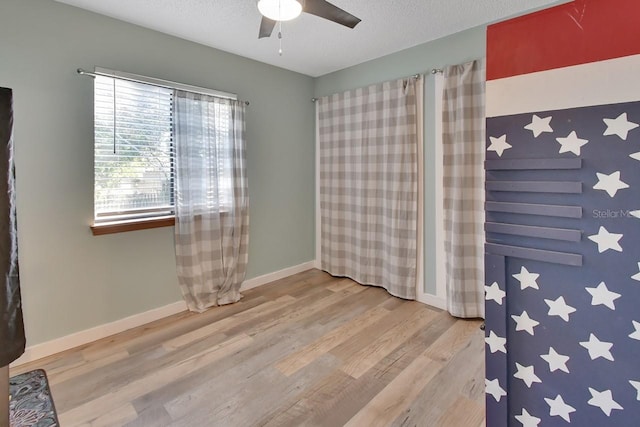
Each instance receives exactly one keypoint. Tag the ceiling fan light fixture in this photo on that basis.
(280, 10)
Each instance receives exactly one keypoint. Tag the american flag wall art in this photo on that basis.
(562, 252)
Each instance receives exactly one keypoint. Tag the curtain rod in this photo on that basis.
(415, 76)
(157, 83)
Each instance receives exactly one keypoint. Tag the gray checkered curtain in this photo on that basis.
(463, 139)
(211, 199)
(368, 149)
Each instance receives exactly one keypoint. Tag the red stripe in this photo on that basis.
(575, 33)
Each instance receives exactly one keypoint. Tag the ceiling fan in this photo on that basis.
(274, 11)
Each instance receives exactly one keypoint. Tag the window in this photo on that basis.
(133, 150)
(134, 159)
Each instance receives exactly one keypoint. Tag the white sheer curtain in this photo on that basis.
(463, 143)
(369, 173)
(211, 199)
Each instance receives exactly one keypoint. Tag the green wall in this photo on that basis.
(71, 280)
(451, 50)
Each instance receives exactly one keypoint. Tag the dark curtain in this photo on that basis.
(12, 339)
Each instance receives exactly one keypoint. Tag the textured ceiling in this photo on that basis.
(312, 45)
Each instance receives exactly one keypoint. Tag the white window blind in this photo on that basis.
(133, 150)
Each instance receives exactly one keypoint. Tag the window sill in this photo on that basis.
(132, 225)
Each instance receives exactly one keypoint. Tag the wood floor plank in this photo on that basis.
(355, 302)
(347, 396)
(82, 389)
(267, 349)
(462, 412)
(340, 408)
(453, 340)
(161, 331)
(56, 362)
(116, 417)
(306, 350)
(342, 284)
(227, 322)
(392, 365)
(264, 351)
(295, 361)
(295, 285)
(368, 334)
(236, 377)
(300, 312)
(312, 402)
(155, 416)
(86, 412)
(263, 391)
(367, 357)
(155, 358)
(286, 314)
(387, 405)
(59, 376)
(446, 387)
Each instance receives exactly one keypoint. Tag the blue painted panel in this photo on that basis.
(529, 231)
(496, 333)
(525, 253)
(535, 187)
(537, 209)
(533, 164)
(604, 291)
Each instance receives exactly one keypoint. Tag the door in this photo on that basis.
(562, 260)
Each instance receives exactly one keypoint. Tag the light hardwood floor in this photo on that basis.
(308, 350)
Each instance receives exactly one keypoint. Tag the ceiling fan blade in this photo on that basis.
(266, 27)
(326, 10)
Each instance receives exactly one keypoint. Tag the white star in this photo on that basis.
(610, 183)
(526, 374)
(606, 240)
(635, 155)
(527, 420)
(556, 361)
(619, 126)
(636, 385)
(571, 143)
(635, 213)
(494, 293)
(493, 388)
(559, 308)
(496, 343)
(557, 407)
(635, 334)
(526, 279)
(637, 275)
(538, 125)
(525, 323)
(603, 296)
(604, 401)
(598, 348)
(499, 145)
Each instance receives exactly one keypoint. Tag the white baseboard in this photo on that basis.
(276, 275)
(76, 339)
(432, 300)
